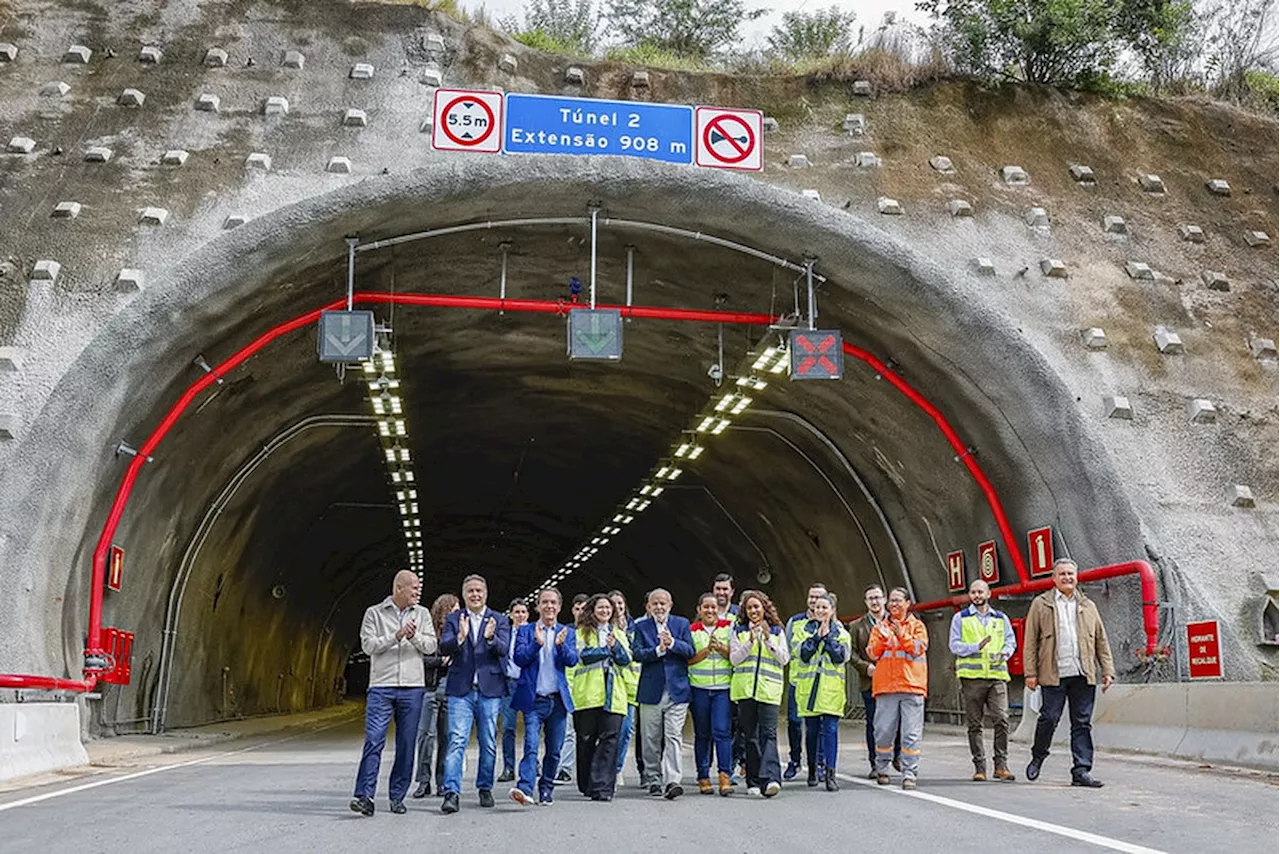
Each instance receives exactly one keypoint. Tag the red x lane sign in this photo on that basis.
(816, 355)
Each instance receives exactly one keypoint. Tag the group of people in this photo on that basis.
(586, 689)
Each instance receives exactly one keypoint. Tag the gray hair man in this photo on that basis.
(982, 641)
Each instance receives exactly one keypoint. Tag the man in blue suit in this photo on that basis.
(663, 645)
(543, 650)
(477, 638)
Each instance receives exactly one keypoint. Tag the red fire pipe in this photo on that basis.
(1147, 576)
(48, 683)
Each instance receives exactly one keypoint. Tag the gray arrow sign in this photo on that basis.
(345, 336)
(595, 334)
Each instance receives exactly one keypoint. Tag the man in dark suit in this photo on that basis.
(663, 645)
(478, 639)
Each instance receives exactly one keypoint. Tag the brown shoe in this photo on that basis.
(909, 784)
(726, 784)
(704, 787)
(1004, 775)
(980, 776)
(882, 779)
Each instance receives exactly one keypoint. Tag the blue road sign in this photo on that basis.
(543, 124)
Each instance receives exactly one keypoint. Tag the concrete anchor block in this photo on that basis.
(66, 210)
(1167, 342)
(258, 160)
(1240, 495)
(8, 52)
(129, 280)
(432, 77)
(98, 154)
(10, 426)
(1151, 183)
(798, 161)
(21, 145)
(575, 76)
(811, 194)
(152, 216)
(175, 157)
(338, 166)
(1094, 338)
(55, 89)
(234, 221)
(1201, 411)
(427, 125)
(215, 57)
(1218, 187)
(866, 159)
(354, 118)
(77, 54)
(435, 43)
(942, 164)
(770, 124)
(1191, 233)
(361, 71)
(208, 103)
(508, 63)
(1054, 268)
(888, 206)
(150, 55)
(1115, 225)
(863, 88)
(1257, 238)
(639, 78)
(1083, 174)
(276, 105)
(1117, 406)
(46, 271)
(1036, 218)
(855, 124)
(293, 59)
(1014, 176)
(1216, 280)
(11, 358)
(959, 208)
(1262, 348)
(1139, 270)
(984, 266)
(131, 98)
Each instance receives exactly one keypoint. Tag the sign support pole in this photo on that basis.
(595, 211)
(813, 304)
(502, 280)
(352, 240)
(631, 257)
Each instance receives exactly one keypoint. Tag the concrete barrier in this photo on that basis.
(1229, 723)
(39, 737)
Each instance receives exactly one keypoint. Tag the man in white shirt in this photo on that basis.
(518, 614)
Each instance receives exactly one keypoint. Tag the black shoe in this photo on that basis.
(422, 791)
(506, 776)
(564, 777)
(1033, 769)
(1086, 781)
(602, 798)
(813, 777)
(655, 790)
(450, 804)
(832, 785)
(486, 798)
(364, 806)
(397, 808)
(674, 790)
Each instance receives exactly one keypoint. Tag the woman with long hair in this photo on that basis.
(820, 687)
(599, 696)
(758, 652)
(433, 726)
(631, 677)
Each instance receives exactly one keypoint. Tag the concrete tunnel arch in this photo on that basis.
(973, 364)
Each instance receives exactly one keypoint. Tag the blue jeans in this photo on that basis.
(822, 739)
(509, 728)
(1076, 691)
(624, 737)
(711, 725)
(795, 731)
(382, 704)
(471, 708)
(547, 719)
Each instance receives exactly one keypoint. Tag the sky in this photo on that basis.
(869, 12)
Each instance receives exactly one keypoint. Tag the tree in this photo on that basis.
(688, 28)
(1165, 35)
(813, 35)
(1241, 38)
(568, 26)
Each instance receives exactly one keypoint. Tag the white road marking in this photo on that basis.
(999, 815)
(35, 799)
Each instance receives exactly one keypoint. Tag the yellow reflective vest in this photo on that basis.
(820, 687)
(981, 665)
(758, 676)
(599, 684)
(714, 671)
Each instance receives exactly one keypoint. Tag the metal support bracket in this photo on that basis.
(504, 247)
(809, 261)
(204, 366)
(352, 240)
(124, 448)
(594, 208)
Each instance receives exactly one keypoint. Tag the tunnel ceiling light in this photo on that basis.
(672, 475)
(705, 424)
(720, 427)
(742, 404)
(753, 383)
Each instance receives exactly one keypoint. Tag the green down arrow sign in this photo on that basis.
(595, 334)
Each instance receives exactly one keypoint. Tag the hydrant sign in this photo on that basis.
(1204, 650)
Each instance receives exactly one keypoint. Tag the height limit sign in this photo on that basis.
(729, 139)
(467, 120)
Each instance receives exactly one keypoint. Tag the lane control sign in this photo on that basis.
(816, 354)
(729, 139)
(345, 336)
(595, 334)
(467, 120)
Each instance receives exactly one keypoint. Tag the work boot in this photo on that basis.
(450, 803)
(793, 768)
(674, 790)
(726, 784)
(398, 808)
(1004, 775)
(832, 785)
(364, 806)
(705, 787)
(909, 784)
(813, 776)
(882, 779)
(979, 774)
(486, 798)
(422, 791)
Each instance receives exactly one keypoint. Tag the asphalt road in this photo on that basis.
(290, 795)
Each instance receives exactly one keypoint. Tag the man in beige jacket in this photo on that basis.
(1064, 646)
(395, 634)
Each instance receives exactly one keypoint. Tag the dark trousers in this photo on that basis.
(597, 750)
(984, 697)
(869, 707)
(822, 740)
(739, 742)
(1076, 692)
(796, 729)
(759, 722)
(381, 706)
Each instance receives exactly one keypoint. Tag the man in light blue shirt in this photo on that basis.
(982, 670)
(518, 614)
(542, 651)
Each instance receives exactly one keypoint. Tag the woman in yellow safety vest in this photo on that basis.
(820, 684)
(709, 675)
(758, 652)
(630, 676)
(599, 696)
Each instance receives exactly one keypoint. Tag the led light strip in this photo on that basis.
(393, 433)
(714, 419)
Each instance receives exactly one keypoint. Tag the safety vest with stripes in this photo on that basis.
(758, 676)
(821, 686)
(714, 671)
(981, 665)
(599, 685)
(796, 633)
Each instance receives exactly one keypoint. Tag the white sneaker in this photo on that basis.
(521, 798)
(753, 791)
(772, 789)
(622, 779)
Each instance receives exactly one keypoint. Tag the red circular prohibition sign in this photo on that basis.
(743, 152)
(458, 140)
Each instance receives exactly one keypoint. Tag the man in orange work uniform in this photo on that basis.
(900, 682)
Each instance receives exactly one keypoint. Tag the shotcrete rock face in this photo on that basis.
(520, 453)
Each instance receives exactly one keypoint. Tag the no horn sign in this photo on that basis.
(728, 139)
